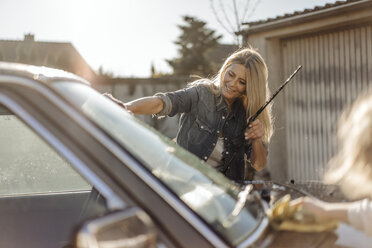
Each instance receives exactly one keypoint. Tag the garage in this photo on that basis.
(333, 43)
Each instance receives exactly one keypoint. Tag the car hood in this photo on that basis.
(344, 236)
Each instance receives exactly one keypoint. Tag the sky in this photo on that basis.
(124, 37)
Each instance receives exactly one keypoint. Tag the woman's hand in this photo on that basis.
(117, 101)
(143, 106)
(324, 210)
(255, 130)
(315, 207)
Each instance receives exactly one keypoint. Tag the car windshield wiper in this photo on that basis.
(242, 199)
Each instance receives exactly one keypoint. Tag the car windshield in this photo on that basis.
(207, 192)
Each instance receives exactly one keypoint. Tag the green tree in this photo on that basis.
(101, 72)
(193, 44)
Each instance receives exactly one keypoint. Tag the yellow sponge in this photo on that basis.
(283, 216)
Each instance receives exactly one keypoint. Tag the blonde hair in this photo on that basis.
(352, 166)
(257, 89)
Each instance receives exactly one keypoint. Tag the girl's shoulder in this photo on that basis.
(203, 82)
(204, 85)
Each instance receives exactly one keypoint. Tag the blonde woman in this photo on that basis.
(215, 111)
(352, 169)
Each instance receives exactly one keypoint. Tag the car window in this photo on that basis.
(28, 165)
(207, 192)
(42, 198)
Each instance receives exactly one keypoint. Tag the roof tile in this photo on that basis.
(316, 8)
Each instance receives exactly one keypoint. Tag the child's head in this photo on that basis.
(352, 166)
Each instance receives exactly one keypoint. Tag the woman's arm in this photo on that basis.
(324, 210)
(258, 156)
(255, 132)
(358, 214)
(145, 105)
(142, 106)
(164, 104)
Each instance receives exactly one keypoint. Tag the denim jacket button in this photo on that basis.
(218, 131)
(202, 127)
(223, 117)
(205, 157)
(214, 144)
(227, 153)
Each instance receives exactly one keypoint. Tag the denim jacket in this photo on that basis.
(204, 117)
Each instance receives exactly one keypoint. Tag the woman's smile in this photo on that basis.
(234, 82)
(230, 90)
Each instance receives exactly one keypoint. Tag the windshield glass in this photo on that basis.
(207, 192)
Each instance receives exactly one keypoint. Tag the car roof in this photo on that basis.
(41, 74)
(44, 76)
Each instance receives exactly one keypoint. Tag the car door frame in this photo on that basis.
(181, 227)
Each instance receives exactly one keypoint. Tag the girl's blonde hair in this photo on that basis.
(352, 166)
(257, 89)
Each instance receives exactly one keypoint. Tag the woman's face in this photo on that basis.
(234, 82)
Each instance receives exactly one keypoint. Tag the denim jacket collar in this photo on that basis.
(222, 105)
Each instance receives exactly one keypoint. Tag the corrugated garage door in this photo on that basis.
(337, 67)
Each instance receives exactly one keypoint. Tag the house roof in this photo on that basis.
(59, 55)
(317, 10)
(305, 11)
